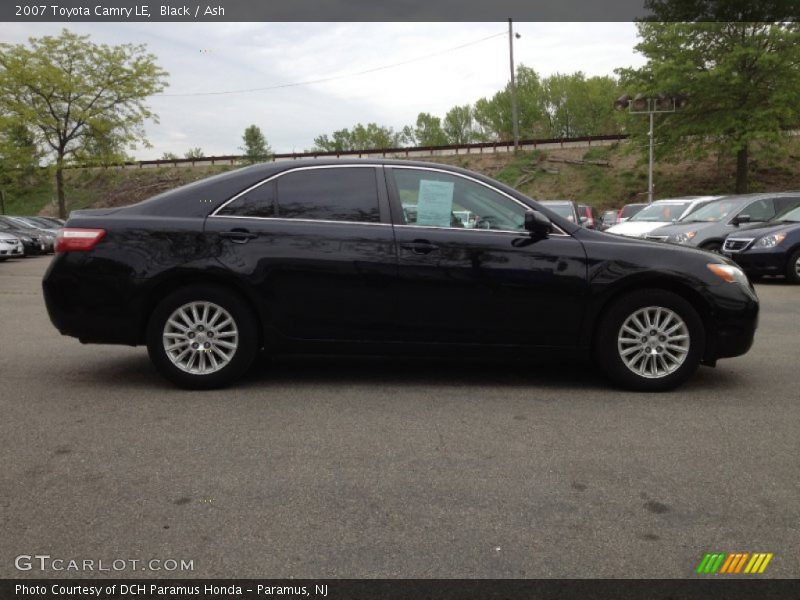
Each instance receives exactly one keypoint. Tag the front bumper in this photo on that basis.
(760, 263)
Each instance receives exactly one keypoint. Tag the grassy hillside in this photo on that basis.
(606, 176)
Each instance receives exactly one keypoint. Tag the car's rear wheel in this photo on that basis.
(650, 340)
(793, 267)
(202, 337)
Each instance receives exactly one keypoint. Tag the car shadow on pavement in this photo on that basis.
(136, 372)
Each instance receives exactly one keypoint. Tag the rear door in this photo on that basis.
(316, 245)
(470, 273)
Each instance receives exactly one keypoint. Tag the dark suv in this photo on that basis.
(372, 257)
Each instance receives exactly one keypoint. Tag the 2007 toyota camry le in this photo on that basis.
(382, 256)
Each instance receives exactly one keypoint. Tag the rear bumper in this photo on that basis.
(90, 304)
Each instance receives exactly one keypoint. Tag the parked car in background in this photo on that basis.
(320, 256)
(773, 249)
(45, 234)
(609, 219)
(708, 226)
(588, 216)
(658, 214)
(47, 222)
(32, 241)
(627, 211)
(10, 247)
(565, 208)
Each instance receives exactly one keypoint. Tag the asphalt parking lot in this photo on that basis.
(385, 468)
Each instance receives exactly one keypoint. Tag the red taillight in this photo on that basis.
(74, 239)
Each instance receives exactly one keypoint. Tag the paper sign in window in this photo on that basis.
(435, 203)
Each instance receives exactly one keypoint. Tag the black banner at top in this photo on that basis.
(396, 10)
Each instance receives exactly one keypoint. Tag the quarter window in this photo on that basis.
(337, 194)
(434, 199)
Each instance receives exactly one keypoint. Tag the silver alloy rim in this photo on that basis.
(200, 338)
(797, 266)
(653, 342)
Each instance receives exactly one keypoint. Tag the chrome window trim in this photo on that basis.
(560, 232)
(291, 220)
(286, 172)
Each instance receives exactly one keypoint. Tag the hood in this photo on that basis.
(636, 228)
(757, 232)
(682, 227)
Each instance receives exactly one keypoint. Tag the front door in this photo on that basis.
(470, 273)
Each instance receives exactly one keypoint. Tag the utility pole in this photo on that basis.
(644, 105)
(650, 163)
(514, 113)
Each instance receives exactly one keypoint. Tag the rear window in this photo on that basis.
(631, 209)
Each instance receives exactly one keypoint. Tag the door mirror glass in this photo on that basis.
(538, 224)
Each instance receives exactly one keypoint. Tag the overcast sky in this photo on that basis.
(213, 57)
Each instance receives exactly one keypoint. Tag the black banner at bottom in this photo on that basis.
(390, 589)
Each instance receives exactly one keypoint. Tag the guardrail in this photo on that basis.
(415, 152)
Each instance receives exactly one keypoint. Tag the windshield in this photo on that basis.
(713, 212)
(661, 212)
(564, 210)
(791, 216)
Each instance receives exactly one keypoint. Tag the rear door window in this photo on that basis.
(336, 194)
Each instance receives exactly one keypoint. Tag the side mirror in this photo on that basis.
(741, 219)
(538, 224)
(583, 220)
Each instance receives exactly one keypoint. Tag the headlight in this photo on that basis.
(729, 273)
(768, 241)
(684, 238)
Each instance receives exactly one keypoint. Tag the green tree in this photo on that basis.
(169, 156)
(256, 149)
(458, 125)
(194, 153)
(428, 131)
(64, 88)
(741, 79)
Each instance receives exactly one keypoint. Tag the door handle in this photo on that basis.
(238, 236)
(420, 247)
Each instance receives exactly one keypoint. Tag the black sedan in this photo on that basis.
(327, 256)
(770, 250)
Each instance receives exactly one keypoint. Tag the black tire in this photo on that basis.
(243, 318)
(792, 269)
(606, 348)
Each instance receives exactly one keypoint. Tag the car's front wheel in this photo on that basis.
(650, 340)
(793, 267)
(202, 337)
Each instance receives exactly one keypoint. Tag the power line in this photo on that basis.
(334, 78)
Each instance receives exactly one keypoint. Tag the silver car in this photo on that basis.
(708, 226)
(10, 247)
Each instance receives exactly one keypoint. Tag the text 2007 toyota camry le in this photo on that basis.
(385, 257)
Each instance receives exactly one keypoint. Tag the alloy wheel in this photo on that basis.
(653, 342)
(200, 338)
